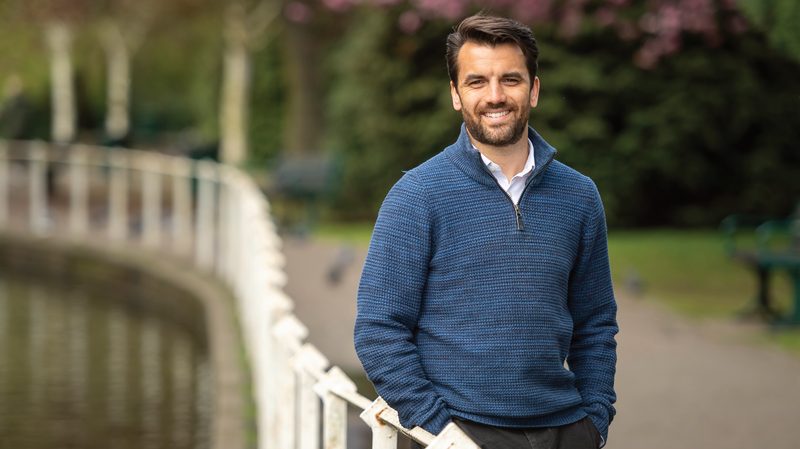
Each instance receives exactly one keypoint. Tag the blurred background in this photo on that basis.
(684, 112)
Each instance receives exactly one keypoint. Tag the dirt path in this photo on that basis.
(681, 385)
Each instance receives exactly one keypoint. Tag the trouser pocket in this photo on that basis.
(592, 431)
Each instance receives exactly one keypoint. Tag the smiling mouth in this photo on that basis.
(498, 114)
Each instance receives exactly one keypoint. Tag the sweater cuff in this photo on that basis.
(600, 418)
(437, 421)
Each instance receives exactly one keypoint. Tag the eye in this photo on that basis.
(511, 81)
(476, 82)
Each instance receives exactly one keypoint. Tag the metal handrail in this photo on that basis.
(224, 227)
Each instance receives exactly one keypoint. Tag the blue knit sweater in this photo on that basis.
(469, 307)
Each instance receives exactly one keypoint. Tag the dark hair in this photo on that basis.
(490, 30)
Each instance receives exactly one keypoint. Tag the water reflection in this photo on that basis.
(79, 370)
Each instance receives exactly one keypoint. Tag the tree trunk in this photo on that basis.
(118, 56)
(59, 39)
(235, 88)
(304, 123)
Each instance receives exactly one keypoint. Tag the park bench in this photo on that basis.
(299, 186)
(774, 246)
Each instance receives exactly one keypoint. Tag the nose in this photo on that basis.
(496, 93)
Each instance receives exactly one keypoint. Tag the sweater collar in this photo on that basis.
(469, 161)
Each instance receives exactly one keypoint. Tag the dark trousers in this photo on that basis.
(578, 435)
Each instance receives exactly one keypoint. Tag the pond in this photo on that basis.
(81, 368)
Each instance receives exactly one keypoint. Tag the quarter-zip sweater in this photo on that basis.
(469, 306)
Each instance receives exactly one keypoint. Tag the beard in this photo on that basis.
(496, 136)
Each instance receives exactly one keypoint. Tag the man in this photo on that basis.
(488, 270)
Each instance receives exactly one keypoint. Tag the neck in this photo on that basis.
(511, 158)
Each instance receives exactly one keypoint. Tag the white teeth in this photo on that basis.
(496, 114)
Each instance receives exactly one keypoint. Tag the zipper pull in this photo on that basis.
(520, 227)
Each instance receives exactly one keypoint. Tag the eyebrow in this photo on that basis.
(472, 76)
(513, 75)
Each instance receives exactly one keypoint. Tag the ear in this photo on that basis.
(535, 92)
(455, 96)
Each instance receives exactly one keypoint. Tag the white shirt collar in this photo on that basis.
(530, 164)
(515, 186)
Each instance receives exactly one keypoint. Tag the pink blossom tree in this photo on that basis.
(659, 26)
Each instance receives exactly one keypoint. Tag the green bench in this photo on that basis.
(774, 247)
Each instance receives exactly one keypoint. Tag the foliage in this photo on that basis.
(779, 19)
(657, 26)
(700, 135)
(389, 107)
(679, 109)
(268, 105)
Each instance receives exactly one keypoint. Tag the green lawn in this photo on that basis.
(686, 270)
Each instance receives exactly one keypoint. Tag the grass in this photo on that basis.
(686, 270)
(690, 273)
(357, 234)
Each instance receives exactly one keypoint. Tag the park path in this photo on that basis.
(681, 384)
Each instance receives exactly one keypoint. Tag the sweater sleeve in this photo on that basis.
(389, 299)
(592, 356)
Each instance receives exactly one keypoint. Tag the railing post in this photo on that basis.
(272, 307)
(38, 188)
(79, 190)
(383, 436)
(289, 334)
(5, 180)
(223, 220)
(206, 207)
(309, 364)
(250, 241)
(181, 206)
(334, 422)
(118, 197)
(237, 234)
(151, 200)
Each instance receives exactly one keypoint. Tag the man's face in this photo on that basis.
(494, 93)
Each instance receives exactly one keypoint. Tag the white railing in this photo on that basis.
(222, 226)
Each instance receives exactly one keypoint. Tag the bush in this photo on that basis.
(704, 134)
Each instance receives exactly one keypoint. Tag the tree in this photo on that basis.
(678, 139)
(779, 19)
(657, 25)
(245, 29)
(122, 29)
(57, 17)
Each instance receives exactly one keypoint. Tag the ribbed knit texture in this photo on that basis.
(461, 313)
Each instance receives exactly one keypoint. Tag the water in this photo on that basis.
(81, 369)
